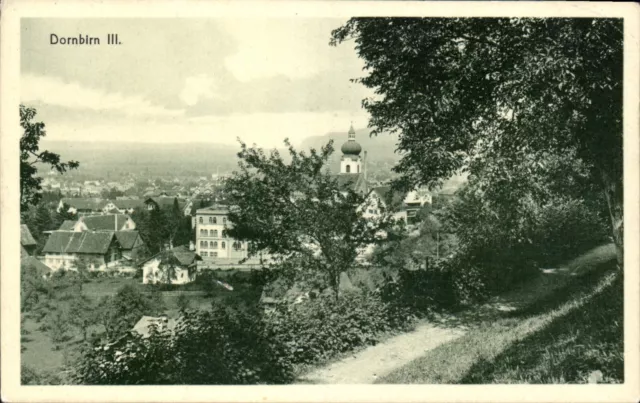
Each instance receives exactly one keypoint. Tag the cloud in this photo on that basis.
(271, 47)
(197, 87)
(72, 95)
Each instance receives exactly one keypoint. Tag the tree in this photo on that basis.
(82, 265)
(167, 267)
(58, 322)
(34, 290)
(158, 230)
(63, 215)
(182, 302)
(82, 314)
(30, 156)
(178, 226)
(461, 90)
(299, 214)
(120, 313)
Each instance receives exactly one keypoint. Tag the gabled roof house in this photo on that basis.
(100, 249)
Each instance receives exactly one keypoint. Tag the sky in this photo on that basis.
(191, 80)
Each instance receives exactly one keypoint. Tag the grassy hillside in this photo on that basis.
(561, 338)
(40, 356)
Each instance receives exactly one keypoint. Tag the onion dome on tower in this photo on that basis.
(351, 146)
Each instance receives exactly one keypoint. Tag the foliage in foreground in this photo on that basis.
(30, 155)
(502, 245)
(216, 347)
(225, 346)
(496, 91)
(324, 327)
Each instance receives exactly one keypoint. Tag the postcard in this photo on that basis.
(300, 201)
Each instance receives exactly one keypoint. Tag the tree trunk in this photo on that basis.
(335, 283)
(614, 195)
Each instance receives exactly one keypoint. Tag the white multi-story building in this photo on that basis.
(211, 240)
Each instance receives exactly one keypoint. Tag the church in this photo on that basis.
(353, 174)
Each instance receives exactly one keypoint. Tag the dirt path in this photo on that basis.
(367, 365)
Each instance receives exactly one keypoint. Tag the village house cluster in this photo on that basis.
(104, 237)
(132, 186)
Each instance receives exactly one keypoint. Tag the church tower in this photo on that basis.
(351, 163)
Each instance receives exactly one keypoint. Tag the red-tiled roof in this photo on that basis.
(79, 242)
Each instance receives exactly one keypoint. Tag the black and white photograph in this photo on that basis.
(299, 199)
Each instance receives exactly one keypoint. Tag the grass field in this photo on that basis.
(560, 338)
(38, 349)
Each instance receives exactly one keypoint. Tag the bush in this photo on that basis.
(420, 291)
(237, 352)
(31, 376)
(503, 243)
(567, 229)
(321, 328)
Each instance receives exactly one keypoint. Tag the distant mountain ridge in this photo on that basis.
(379, 148)
(113, 159)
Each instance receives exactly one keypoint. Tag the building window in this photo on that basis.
(200, 220)
(212, 245)
(214, 254)
(205, 254)
(224, 220)
(348, 168)
(210, 220)
(206, 232)
(214, 233)
(224, 245)
(215, 245)
(215, 220)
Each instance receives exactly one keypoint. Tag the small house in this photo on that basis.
(180, 260)
(99, 249)
(146, 323)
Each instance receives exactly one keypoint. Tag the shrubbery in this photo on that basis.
(552, 234)
(421, 291)
(31, 376)
(321, 328)
(206, 348)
